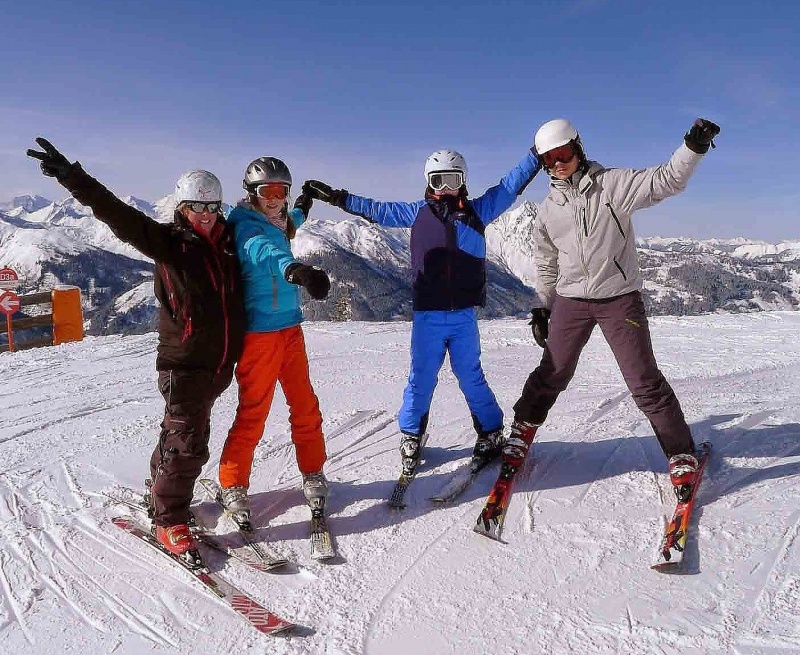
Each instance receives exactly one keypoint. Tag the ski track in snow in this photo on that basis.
(80, 420)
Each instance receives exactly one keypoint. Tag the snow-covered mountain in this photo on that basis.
(25, 203)
(59, 242)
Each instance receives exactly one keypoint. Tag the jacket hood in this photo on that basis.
(244, 211)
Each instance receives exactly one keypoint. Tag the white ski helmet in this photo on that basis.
(198, 186)
(445, 160)
(266, 170)
(555, 133)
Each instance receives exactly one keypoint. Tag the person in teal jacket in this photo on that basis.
(274, 347)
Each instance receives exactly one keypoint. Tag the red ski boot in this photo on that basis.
(177, 539)
(516, 446)
(683, 475)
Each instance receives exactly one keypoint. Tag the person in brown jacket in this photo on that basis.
(200, 329)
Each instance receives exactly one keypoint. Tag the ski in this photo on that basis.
(269, 559)
(321, 541)
(490, 521)
(462, 479)
(396, 500)
(259, 617)
(223, 543)
(673, 543)
(411, 456)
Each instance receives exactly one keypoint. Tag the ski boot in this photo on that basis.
(516, 446)
(237, 504)
(683, 475)
(411, 447)
(178, 540)
(315, 489)
(489, 444)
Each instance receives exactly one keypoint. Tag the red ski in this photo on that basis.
(259, 617)
(493, 514)
(673, 544)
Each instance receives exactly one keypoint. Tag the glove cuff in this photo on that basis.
(699, 148)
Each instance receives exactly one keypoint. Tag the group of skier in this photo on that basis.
(230, 301)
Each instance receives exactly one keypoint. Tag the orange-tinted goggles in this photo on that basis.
(563, 154)
(272, 191)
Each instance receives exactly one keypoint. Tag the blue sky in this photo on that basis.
(358, 94)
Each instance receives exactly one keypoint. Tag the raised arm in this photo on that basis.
(387, 214)
(500, 197)
(148, 236)
(637, 189)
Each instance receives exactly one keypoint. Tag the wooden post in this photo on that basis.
(10, 333)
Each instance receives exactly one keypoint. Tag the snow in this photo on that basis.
(80, 420)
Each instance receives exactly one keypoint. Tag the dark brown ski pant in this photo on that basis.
(182, 448)
(625, 328)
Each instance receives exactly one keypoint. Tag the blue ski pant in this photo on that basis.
(434, 333)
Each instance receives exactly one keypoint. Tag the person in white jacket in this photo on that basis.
(588, 274)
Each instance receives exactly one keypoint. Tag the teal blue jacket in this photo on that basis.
(264, 253)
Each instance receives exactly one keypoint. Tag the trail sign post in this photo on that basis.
(9, 305)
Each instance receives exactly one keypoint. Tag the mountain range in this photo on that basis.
(49, 243)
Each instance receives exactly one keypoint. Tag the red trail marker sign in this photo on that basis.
(9, 305)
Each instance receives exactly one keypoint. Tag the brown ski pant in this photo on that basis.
(624, 325)
(182, 448)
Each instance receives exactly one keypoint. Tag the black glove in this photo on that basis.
(540, 325)
(53, 163)
(304, 203)
(314, 279)
(701, 135)
(322, 191)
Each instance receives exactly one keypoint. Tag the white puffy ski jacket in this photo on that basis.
(584, 246)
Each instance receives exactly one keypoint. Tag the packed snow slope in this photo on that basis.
(79, 421)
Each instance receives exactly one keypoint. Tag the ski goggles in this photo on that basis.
(272, 191)
(452, 180)
(204, 207)
(563, 154)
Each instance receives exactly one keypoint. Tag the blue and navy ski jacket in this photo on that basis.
(448, 247)
(264, 253)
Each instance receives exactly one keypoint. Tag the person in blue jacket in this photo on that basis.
(274, 347)
(448, 264)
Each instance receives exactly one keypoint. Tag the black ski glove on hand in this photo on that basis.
(540, 325)
(53, 163)
(701, 135)
(314, 279)
(304, 203)
(322, 191)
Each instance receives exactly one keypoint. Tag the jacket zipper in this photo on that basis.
(619, 268)
(221, 290)
(582, 221)
(616, 220)
(170, 292)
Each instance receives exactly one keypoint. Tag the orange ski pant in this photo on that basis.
(269, 358)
